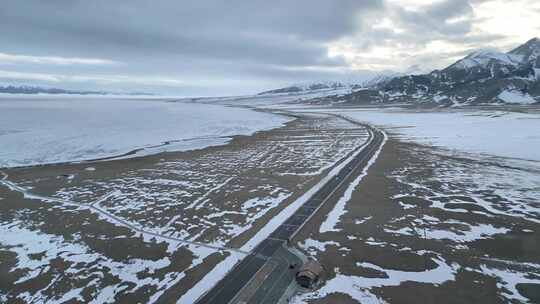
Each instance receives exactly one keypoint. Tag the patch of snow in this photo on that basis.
(507, 281)
(474, 232)
(515, 96)
(361, 221)
(311, 245)
(406, 206)
(371, 241)
(360, 288)
(260, 202)
(439, 98)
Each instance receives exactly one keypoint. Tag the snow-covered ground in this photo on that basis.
(447, 205)
(39, 130)
(359, 288)
(35, 252)
(496, 133)
(245, 190)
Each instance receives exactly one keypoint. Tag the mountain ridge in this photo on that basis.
(305, 87)
(33, 90)
(482, 77)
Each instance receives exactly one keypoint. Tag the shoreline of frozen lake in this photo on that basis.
(49, 130)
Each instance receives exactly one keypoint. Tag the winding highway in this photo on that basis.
(273, 250)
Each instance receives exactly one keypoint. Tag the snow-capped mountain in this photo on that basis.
(344, 84)
(484, 76)
(25, 89)
(309, 87)
(32, 90)
(486, 58)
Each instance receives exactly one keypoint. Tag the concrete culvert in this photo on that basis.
(309, 274)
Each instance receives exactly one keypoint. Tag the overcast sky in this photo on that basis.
(212, 47)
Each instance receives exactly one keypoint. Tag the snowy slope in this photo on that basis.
(485, 132)
(515, 96)
(484, 57)
(529, 52)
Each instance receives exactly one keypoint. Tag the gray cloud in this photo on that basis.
(442, 20)
(230, 46)
(183, 38)
(194, 41)
(448, 20)
(432, 35)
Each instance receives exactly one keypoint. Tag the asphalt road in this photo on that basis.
(271, 249)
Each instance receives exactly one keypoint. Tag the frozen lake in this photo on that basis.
(42, 130)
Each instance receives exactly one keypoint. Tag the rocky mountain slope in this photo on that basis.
(485, 76)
